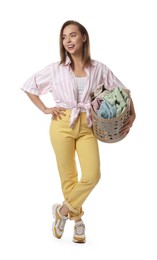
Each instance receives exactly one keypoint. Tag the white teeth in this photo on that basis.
(70, 45)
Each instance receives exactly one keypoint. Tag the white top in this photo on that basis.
(80, 86)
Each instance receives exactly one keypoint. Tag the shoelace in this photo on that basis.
(80, 229)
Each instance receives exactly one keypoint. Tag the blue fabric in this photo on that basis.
(106, 110)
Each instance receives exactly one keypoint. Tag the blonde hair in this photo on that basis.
(86, 44)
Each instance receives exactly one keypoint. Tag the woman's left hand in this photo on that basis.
(126, 128)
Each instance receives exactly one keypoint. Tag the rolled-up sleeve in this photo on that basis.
(39, 83)
(110, 80)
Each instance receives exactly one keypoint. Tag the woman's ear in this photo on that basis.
(84, 38)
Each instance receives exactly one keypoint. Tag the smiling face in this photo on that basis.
(73, 40)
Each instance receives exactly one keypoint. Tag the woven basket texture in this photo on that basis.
(108, 130)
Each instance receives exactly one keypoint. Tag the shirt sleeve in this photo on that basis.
(110, 80)
(39, 83)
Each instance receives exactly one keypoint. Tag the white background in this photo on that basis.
(120, 214)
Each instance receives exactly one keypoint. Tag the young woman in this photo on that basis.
(71, 81)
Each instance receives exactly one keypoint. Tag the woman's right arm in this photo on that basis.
(38, 84)
(56, 112)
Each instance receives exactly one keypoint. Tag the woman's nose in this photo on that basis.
(68, 39)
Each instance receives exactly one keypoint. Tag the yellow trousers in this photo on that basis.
(66, 142)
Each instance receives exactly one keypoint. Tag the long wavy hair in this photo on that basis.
(86, 44)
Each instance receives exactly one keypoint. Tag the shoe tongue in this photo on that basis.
(79, 228)
(79, 223)
(65, 217)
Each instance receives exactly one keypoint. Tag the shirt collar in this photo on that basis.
(68, 62)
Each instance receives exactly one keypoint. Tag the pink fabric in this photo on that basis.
(61, 82)
(96, 104)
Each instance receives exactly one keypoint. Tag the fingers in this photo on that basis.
(57, 112)
(125, 129)
(62, 108)
(128, 124)
(124, 132)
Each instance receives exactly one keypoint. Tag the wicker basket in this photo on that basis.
(107, 130)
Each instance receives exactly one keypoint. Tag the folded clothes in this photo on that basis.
(119, 98)
(108, 104)
(107, 110)
(99, 89)
(96, 104)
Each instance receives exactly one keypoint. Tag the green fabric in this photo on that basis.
(118, 98)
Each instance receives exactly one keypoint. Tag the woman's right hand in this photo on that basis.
(56, 112)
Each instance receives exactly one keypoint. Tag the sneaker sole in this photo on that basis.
(55, 233)
(54, 216)
(81, 241)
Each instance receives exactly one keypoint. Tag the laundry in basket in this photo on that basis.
(110, 110)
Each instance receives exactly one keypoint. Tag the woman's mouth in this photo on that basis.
(70, 46)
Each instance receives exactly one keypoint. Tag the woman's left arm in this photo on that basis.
(126, 128)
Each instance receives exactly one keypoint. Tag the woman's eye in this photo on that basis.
(73, 35)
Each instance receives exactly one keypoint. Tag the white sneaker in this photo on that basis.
(79, 232)
(59, 223)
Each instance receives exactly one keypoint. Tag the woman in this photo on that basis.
(71, 81)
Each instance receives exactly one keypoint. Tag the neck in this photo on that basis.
(78, 61)
(78, 67)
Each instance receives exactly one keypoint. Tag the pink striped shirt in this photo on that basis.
(61, 82)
